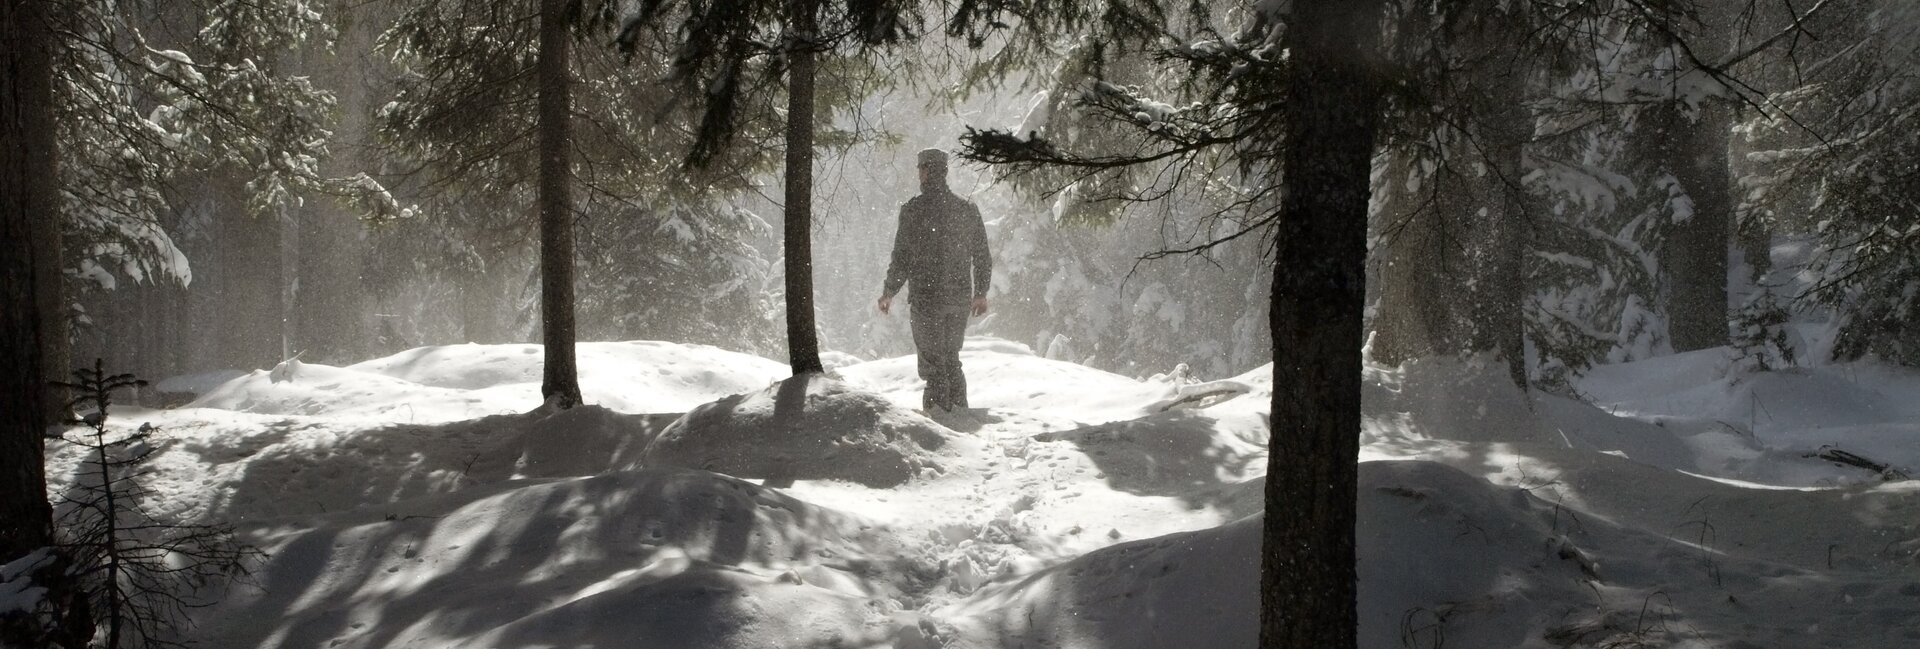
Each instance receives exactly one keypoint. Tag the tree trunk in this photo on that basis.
(803, 342)
(560, 383)
(1696, 154)
(50, 291)
(1307, 574)
(1501, 287)
(241, 280)
(330, 324)
(28, 204)
(1418, 269)
(1451, 274)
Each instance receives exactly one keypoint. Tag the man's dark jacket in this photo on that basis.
(940, 251)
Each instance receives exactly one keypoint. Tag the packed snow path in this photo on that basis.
(410, 502)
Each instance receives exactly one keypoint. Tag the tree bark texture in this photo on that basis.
(803, 342)
(29, 203)
(1307, 572)
(560, 381)
(50, 291)
(1695, 150)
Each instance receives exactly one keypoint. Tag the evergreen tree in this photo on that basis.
(1316, 153)
(461, 122)
(157, 105)
(29, 198)
(101, 117)
(139, 574)
(718, 53)
(1452, 220)
(1134, 268)
(688, 273)
(1308, 588)
(1580, 181)
(1451, 81)
(1835, 158)
(560, 378)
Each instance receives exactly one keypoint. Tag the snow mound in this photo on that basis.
(834, 360)
(1666, 558)
(706, 609)
(804, 428)
(1432, 540)
(1474, 401)
(713, 559)
(997, 345)
(455, 382)
(250, 467)
(1196, 590)
(1863, 407)
(296, 388)
(633, 376)
(1446, 557)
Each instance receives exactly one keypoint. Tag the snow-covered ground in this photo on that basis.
(423, 500)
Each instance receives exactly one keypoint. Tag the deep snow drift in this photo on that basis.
(824, 431)
(421, 500)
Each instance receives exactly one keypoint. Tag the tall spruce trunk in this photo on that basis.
(1451, 277)
(803, 342)
(1696, 263)
(28, 202)
(1501, 287)
(50, 290)
(1419, 268)
(560, 380)
(1307, 573)
(329, 322)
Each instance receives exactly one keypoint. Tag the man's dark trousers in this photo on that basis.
(938, 331)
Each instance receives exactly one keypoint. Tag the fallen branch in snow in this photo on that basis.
(1887, 472)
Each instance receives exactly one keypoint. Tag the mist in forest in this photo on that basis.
(318, 281)
(1330, 323)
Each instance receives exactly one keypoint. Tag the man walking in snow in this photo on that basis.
(940, 254)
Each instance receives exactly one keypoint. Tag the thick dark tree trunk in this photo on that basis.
(560, 383)
(28, 203)
(56, 321)
(50, 291)
(1307, 575)
(803, 342)
(1696, 153)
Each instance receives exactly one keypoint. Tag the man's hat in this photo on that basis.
(934, 158)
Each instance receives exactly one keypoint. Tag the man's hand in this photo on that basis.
(979, 305)
(886, 305)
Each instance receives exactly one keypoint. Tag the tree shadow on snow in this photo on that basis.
(1174, 453)
(298, 470)
(459, 566)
